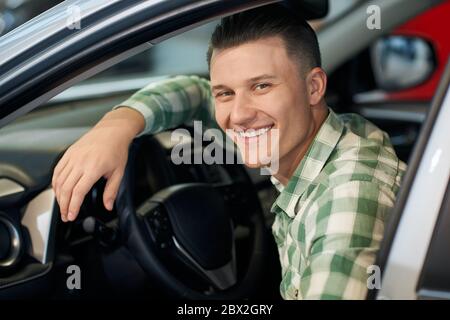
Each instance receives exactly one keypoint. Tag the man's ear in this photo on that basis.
(316, 84)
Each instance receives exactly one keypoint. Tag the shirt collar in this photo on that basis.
(311, 165)
(277, 184)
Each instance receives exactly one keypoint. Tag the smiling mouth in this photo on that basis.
(253, 133)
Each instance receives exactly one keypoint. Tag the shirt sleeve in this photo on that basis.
(172, 102)
(343, 234)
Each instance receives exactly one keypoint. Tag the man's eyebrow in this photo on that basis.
(262, 77)
(219, 87)
(251, 80)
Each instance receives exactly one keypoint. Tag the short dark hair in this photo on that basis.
(272, 20)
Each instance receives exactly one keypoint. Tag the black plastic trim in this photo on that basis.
(434, 276)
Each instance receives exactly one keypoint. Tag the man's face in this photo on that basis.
(259, 91)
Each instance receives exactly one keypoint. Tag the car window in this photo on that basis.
(182, 54)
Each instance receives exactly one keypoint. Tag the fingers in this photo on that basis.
(58, 169)
(111, 188)
(61, 179)
(64, 193)
(79, 191)
(94, 155)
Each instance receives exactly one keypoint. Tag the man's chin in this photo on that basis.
(253, 165)
(266, 169)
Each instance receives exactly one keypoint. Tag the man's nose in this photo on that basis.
(243, 112)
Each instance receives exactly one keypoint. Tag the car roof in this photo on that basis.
(47, 25)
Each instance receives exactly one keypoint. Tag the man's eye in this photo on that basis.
(223, 94)
(261, 86)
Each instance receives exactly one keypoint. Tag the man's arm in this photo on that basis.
(344, 229)
(103, 150)
(173, 102)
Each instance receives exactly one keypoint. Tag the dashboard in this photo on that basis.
(28, 208)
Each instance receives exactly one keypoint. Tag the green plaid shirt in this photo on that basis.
(329, 218)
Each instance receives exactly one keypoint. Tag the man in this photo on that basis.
(337, 175)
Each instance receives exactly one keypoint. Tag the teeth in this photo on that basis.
(251, 133)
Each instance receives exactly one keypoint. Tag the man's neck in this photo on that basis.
(289, 163)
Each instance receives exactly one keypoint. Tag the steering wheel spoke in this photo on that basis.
(157, 223)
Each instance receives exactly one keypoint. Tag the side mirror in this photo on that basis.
(401, 62)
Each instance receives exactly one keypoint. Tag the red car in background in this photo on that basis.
(427, 26)
(393, 81)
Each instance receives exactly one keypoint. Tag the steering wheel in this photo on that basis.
(183, 236)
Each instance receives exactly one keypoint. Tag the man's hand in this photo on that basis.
(101, 152)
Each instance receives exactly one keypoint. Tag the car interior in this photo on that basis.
(34, 264)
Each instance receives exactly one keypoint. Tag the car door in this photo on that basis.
(414, 253)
